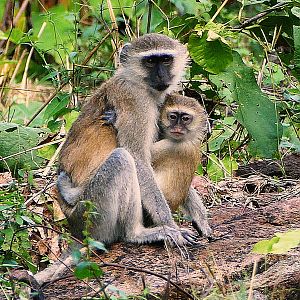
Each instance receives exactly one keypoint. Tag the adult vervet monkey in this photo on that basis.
(121, 182)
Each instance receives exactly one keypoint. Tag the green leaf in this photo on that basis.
(280, 244)
(87, 269)
(264, 247)
(287, 241)
(183, 6)
(70, 118)
(296, 11)
(218, 169)
(296, 33)
(16, 138)
(210, 52)
(97, 245)
(58, 34)
(54, 126)
(56, 105)
(76, 255)
(255, 110)
(47, 152)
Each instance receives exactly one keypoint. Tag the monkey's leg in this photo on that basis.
(115, 193)
(67, 192)
(197, 211)
(153, 199)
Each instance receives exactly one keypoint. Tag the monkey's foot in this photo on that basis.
(189, 236)
(203, 229)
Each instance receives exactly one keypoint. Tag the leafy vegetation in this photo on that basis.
(245, 69)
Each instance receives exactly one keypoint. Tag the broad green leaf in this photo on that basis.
(47, 152)
(265, 246)
(22, 112)
(296, 32)
(287, 241)
(87, 269)
(55, 106)
(76, 255)
(210, 52)
(255, 110)
(70, 118)
(218, 169)
(58, 34)
(186, 7)
(280, 244)
(290, 139)
(296, 11)
(54, 126)
(16, 138)
(221, 134)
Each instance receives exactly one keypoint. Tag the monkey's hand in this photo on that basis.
(109, 117)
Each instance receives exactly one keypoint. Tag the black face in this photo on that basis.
(159, 70)
(179, 122)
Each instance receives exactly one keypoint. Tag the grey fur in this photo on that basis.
(125, 182)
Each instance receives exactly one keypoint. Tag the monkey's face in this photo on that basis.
(155, 61)
(177, 124)
(158, 70)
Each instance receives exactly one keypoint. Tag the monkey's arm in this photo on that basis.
(160, 149)
(197, 211)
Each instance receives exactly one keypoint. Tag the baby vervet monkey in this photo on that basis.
(175, 157)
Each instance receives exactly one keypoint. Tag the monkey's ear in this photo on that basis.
(124, 53)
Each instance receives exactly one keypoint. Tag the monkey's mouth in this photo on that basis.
(177, 133)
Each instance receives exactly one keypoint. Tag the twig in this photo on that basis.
(149, 16)
(45, 104)
(250, 293)
(119, 266)
(40, 192)
(20, 12)
(31, 149)
(52, 160)
(261, 15)
(89, 56)
(106, 264)
(218, 11)
(23, 84)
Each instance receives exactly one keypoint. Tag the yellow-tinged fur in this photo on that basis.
(175, 162)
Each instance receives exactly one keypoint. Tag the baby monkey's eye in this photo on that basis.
(186, 118)
(172, 116)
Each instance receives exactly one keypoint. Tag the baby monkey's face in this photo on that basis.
(178, 124)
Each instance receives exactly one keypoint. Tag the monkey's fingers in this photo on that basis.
(190, 237)
(109, 117)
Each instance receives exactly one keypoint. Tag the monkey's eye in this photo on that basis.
(186, 118)
(149, 61)
(166, 60)
(172, 117)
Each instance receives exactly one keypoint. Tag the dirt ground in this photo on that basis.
(244, 212)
